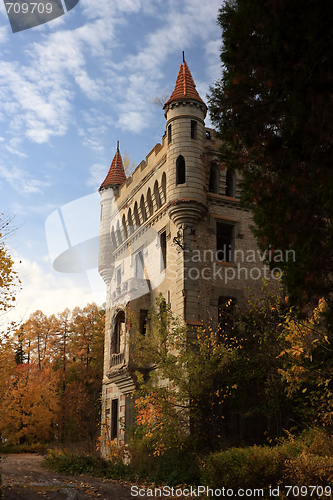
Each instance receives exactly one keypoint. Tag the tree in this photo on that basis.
(29, 406)
(175, 380)
(274, 111)
(9, 281)
(57, 381)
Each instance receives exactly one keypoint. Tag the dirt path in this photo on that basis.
(23, 478)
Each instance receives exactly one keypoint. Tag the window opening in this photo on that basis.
(139, 265)
(194, 126)
(143, 209)
(213, 179)
(114, 419)
(143, 321)
(224, 233)
(180, 170)
(169, 134)
(118, 330)
(163, 250)
(226, 313)
(118, 276)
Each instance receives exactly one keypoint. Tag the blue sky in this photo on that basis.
(69, 90)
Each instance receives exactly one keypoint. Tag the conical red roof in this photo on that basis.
(185, 86)
(116, 175)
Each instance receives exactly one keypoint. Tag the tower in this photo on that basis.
(185, 112)
(109, 191)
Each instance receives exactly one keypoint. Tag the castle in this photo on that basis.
(174, 227)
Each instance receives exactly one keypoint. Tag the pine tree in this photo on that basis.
(274, 110)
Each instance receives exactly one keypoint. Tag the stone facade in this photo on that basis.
(174, 227)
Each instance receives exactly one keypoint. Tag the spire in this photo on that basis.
(185, 86)
(116, 175)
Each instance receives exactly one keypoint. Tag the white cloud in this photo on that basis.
(98, 172)
(21, 181)
(48, 291)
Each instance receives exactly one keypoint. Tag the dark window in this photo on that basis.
(130, 222)
(208, 137)
(138, 272)
(114, 418)
(213, 179)
(180, 170)
(157, 195)
(169, 134)
(118, 329)
(226, 313)
(164, 187)
(194, 126)
(224, 233)
(143, 209)
(149, 203)
(143, 321)
(229, 184)
(163, 250)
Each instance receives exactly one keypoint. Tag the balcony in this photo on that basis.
(130, 290)
(117, 359)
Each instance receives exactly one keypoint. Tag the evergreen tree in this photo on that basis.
(274, 111)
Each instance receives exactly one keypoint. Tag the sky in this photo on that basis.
(69, 90)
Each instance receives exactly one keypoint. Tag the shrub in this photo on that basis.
(67, 462)
(305, 460)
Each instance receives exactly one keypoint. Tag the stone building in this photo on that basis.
(174, 227)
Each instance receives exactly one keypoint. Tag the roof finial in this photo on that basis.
(183, 56)
(117, 145)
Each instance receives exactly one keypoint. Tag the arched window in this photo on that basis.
(180, 170)
(113, 239)
(149, 203)
(164, 187)
(130, 222)
(136, 215)
(157, 195)
(118, 331)
(125, 235)
(169, 134)
(143, 209)
(229, 184)
(214, 179)
(119, 235)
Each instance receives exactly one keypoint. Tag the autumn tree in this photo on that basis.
(175, 379)
(58, 358)
(9, 281)
(307, 367)
(29, 406)
(274, 111)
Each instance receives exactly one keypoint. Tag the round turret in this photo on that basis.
(185, 112)
(109, 191)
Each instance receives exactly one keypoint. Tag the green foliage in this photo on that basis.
(251, 387)
(273, 109)
(67, 462)
(306, 460)
(175, 374)
(175, 466)
(172, 468)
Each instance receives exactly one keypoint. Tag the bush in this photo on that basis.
(67, 462)
(305, 460)
(176, 466)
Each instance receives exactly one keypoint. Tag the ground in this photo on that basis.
(23, 478)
